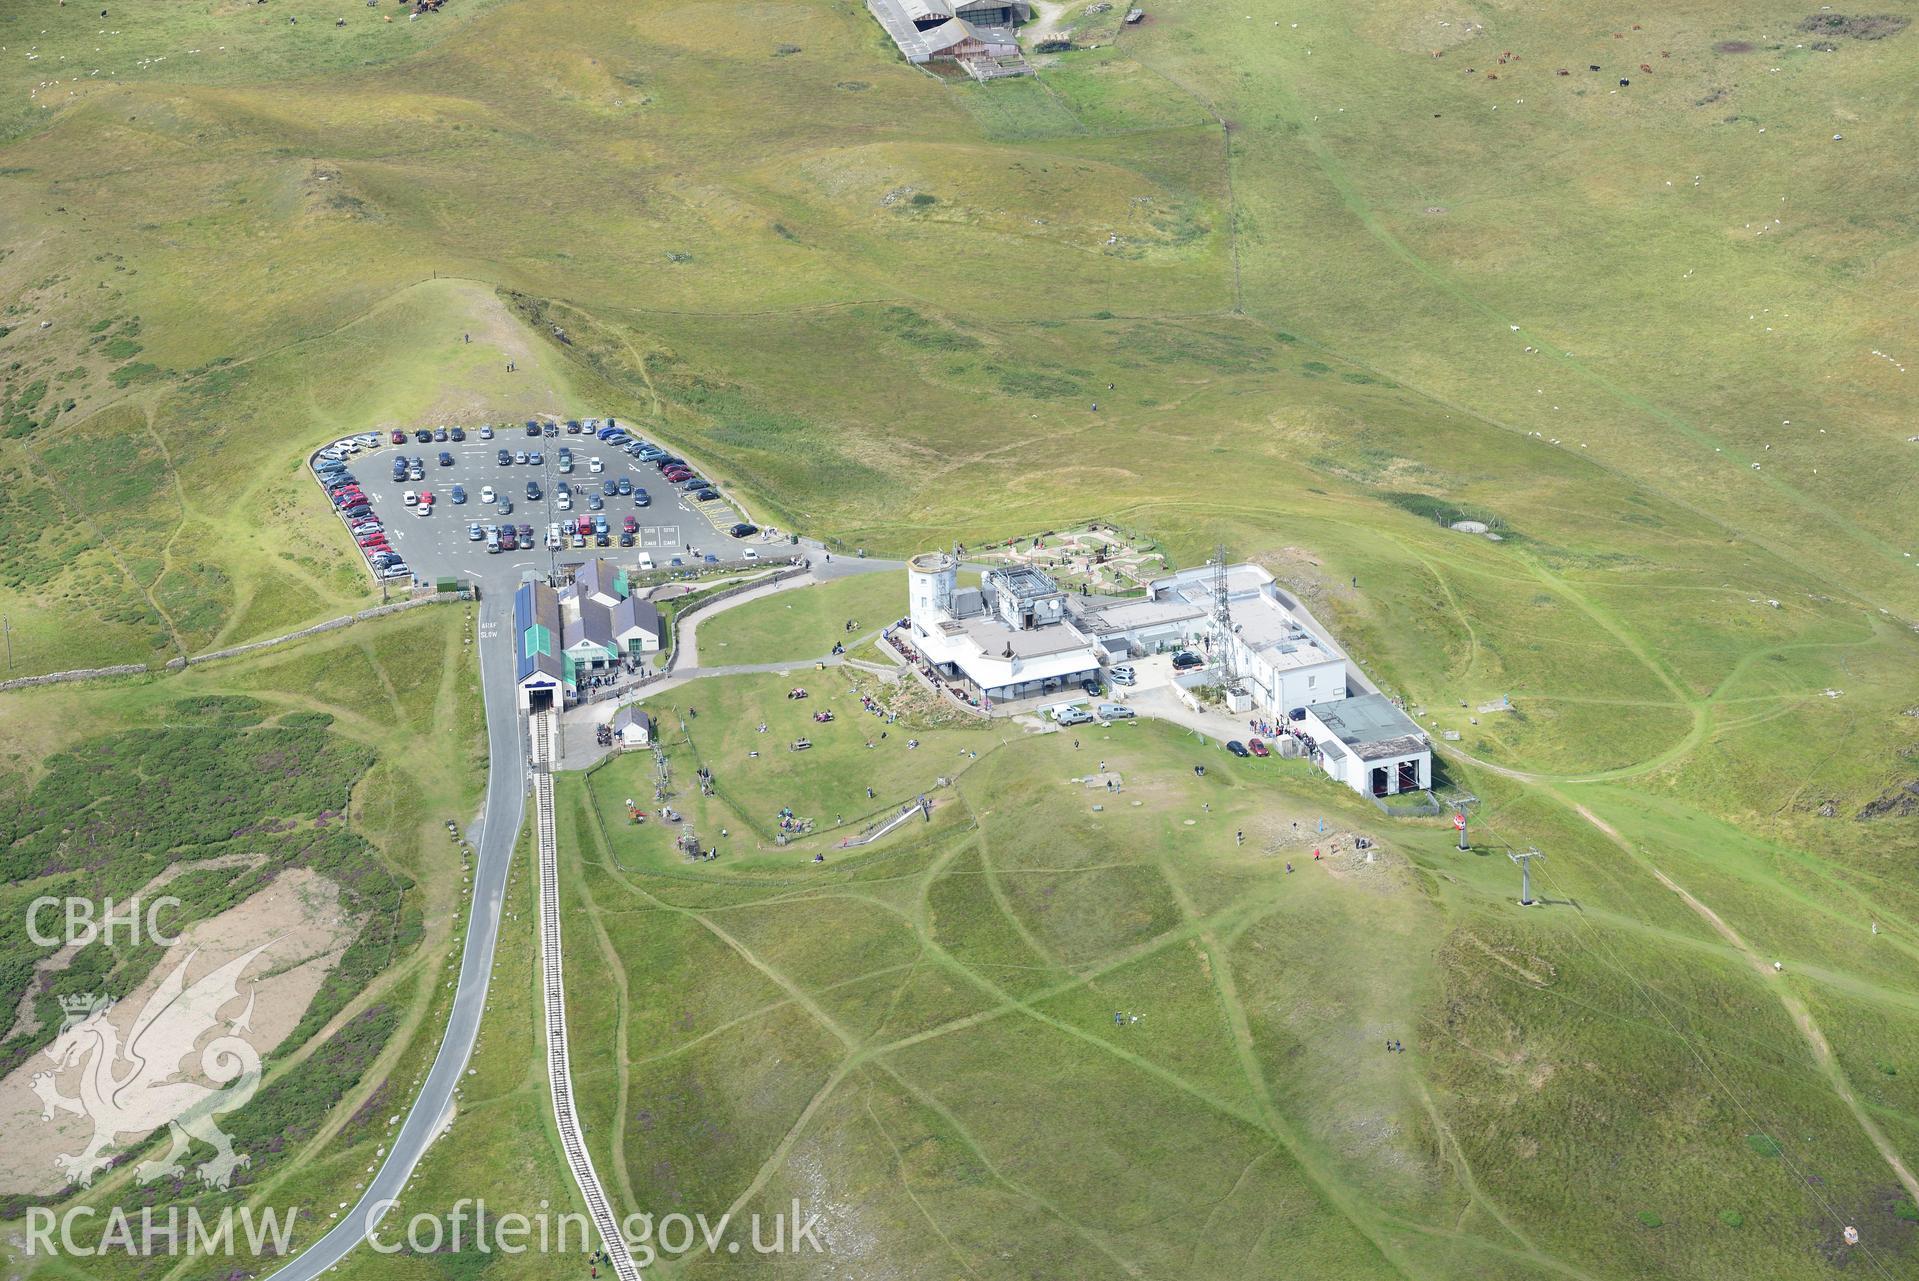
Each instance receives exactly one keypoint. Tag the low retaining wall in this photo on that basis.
(331, 625)
(233, 651)
(78, 674)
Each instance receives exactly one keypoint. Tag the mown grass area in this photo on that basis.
(345, 756)
(804, 623)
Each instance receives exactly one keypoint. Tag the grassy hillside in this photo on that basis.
(1334, 276)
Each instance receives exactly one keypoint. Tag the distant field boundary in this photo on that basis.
(232, 651)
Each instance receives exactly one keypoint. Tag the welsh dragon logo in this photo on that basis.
(136, 1088)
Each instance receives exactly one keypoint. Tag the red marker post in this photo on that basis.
(1459, 821)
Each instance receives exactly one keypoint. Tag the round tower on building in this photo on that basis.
(930, 579)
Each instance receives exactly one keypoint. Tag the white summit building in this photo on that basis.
(1019, 636)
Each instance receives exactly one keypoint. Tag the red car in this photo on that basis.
(631, 524)
(585, 525)
(1257, 747)
(398, 438)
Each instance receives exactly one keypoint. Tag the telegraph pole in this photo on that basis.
(1524, 858)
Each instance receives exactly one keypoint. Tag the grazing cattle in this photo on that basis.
(1593, 67)
(1646, 67)
(1563, 72)
(1624, 83)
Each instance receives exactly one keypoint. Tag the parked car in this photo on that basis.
(506, 506)
(1124, 675)
(602, 539)
(563, 503)
(705, 495)
(631, 524)
(520, 458)
(608, 488)
(595, 465)
(532, 428)
(475, 533)
(505, 458)
(1091, 688)
(410, 498)
(749, 554)
(623, 486)
(676, 563)
(532, 491)
(646, 563)
(572, 427)
(446, 459)
(535, 459)
(626, 538)
(1186, 660)
(744, 530)
(396, 571)
(594, 502)
(579, 539)
(486, 431)
(641, 498)
(1257, 747)
(486, 493)
(398, 437)
(710, 559)
(550, 429)
(440, 434)
(1114, 712)
(458, 433)
(423, 436)
(1073, 716)
(457, 494)
(1237, 748)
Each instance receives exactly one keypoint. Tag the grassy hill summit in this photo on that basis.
(1343, 287)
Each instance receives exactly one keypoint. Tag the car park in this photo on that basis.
(1237, 748)
(486, 493)
(1114, 712)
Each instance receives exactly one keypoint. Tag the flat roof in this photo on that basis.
(993, 638)
(1022, 582)
(1371, 726)
(1129, 615)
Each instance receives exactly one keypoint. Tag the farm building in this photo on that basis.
(977, 35)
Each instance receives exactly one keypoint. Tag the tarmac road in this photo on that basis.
(493, 838)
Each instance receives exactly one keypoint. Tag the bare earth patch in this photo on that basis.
(304, 931)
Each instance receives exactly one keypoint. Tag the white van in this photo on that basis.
(646, 563)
